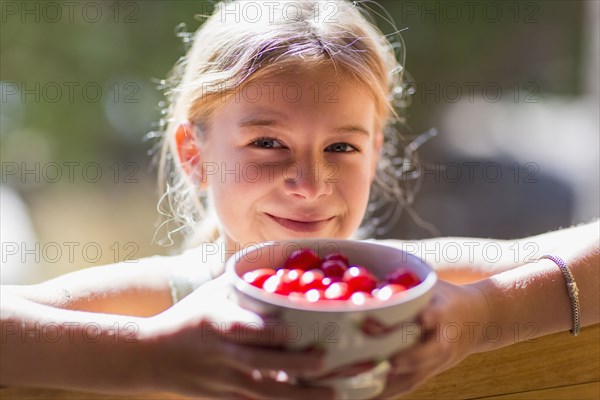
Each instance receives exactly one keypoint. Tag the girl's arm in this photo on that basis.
(464, 260)
(535, 295)
(44, 346)
(195, 348)
(523, 303)
(140, 289)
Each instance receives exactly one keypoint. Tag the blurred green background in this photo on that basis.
(79, 91)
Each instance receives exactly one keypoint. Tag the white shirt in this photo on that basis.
(196, 267)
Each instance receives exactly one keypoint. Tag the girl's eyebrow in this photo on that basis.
(351, 129)
(259, 122)
(276, 119)
(262, 118)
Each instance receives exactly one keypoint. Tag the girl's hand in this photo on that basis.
(206, 345)
(451, 329)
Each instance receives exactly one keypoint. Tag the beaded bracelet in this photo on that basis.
(571, 289)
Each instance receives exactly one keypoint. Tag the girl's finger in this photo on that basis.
(374, 327)
(269, 359)
(349, 371)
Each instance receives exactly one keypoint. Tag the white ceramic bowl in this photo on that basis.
(335, 325)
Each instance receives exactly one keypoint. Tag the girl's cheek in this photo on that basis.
(354, 169)
(251, 173)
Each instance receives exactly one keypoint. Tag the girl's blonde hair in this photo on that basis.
(235, 46)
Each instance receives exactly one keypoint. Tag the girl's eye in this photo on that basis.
(266, 143)
(342, 148)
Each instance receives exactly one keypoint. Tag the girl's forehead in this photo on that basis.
(297, 99)
(310, 88)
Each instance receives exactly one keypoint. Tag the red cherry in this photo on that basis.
(327, 281)
(314, 295)
(359, 298)
(282, 284)
(274, 285)
(360, 279)
(336, 256)
(312, 279)
(403, 276)
(258, 276)
(388, 291)
(334, 268)
(304, 259)
(291, 279)
(305, 277)
(338, 291)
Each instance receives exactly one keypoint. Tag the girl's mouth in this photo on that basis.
(301, 226)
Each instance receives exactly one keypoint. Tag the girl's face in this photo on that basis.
(292, 156)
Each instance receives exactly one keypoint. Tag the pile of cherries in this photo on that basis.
(306, 276)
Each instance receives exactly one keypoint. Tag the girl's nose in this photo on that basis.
(308, 181)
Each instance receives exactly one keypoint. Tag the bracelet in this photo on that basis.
(571, 289)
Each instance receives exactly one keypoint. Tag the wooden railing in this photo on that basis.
(554, 367)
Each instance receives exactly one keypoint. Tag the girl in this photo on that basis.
(279, 124)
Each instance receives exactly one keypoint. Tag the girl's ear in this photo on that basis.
(189, 154)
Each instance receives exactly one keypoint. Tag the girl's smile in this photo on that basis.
(302, 225)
